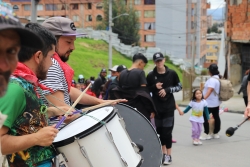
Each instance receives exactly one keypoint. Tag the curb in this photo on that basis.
(230, 111)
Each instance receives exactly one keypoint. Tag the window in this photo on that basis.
(99, 6)
(88, 18)
(89, 6)
(98, 18)
(50, 7)
(149, 26)
(192, 24)
(215, 47)
(26, 7)
(137, 2)
(138, 13)
(149, 38)
(15, 8)
(149, 13)
(75, 6)
(39, 7)
(75, 18)
(208, 46)
(149, 2)
(192, 12)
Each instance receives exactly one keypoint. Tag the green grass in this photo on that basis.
(90, 56)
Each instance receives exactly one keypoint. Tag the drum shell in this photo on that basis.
(100, 149)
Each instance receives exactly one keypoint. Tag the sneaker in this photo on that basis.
(205, 137)
(195, 143)
(167, 160)
(216, 136)
(199, 142)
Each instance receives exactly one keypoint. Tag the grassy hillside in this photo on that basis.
(90, 56)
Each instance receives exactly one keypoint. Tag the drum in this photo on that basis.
(142, 132)
(97, 139)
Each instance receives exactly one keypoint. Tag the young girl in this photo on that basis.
(199, 106)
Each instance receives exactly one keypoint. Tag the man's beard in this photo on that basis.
(64, 57)
(41, 73)
(4, 79)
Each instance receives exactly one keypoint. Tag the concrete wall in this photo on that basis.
(171, 27)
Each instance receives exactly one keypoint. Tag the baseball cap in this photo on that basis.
(120, 68)
(213, 67)
(8, 21)
(113, 68)
(103, 70)
(158, 56)
(80, 76)
(61, 26)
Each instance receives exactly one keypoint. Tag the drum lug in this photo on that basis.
(110, 136)
(124, 162)
(83, 151)
(135, 147)
(122, 122)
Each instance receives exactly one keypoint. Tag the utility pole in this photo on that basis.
(34, 10)
(110, 34)
(193, 48)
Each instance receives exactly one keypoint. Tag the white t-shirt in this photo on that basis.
(197, 111)
(213, 99)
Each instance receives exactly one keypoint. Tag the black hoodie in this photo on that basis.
(171, 84)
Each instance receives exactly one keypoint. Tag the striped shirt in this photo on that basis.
(57, 82)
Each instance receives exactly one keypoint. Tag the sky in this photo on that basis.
(216, 3)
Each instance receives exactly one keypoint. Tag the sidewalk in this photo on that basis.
(235, 104)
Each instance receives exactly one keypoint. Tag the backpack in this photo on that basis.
(226, 89)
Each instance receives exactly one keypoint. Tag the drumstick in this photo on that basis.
(96, 106)
(73, 106)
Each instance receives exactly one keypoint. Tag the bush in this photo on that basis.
(204, 72)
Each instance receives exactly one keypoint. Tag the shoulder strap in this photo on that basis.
(215, 93)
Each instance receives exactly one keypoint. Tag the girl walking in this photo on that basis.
(199, 106)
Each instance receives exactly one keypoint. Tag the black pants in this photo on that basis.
(245, 99)
(215, 113)
(164, 127)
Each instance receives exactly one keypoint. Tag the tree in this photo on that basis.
(127, 27)
(214, 28)
(208, 30)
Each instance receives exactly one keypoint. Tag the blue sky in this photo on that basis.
(216, 3)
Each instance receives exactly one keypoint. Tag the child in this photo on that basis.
(199, 106)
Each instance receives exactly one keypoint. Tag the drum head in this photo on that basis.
(83, 126)
(142, 132)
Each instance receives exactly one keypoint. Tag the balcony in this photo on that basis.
(208, 5)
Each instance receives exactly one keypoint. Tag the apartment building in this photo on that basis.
(176, 21)
(86, 13)
(209, 21)
(83, 12)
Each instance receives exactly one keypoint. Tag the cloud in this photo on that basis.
(217, 3)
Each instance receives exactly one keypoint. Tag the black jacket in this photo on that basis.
(171, 84)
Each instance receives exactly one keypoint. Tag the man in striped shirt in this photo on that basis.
(60, 74)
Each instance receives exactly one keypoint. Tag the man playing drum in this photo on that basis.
(60, 74)
(26, 138)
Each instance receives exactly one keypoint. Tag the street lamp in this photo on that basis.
(110, 31)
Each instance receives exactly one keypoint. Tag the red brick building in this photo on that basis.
(237, 28)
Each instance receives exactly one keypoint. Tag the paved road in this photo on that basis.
(224, 152)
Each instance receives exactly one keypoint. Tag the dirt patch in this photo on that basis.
(85, 44)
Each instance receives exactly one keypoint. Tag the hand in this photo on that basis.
(114, 102)
(181, 112)
(162, 93)
(152, 115)
(46, 135)
(247, 110)
(70, 118)
(159, 85)
(61, 110)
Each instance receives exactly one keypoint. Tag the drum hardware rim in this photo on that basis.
(110, 137)
(86, 132)
(83, 151)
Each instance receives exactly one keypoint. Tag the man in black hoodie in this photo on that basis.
(99, 82)
(162, 83)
